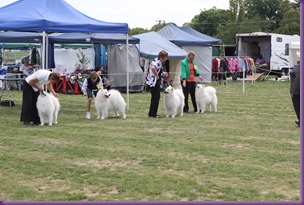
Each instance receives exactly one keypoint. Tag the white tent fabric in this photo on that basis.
(66, 58)
(117, 68)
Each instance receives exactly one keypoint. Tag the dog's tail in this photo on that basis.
(210, 90)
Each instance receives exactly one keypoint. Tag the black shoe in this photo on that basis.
(298, 123)
(27, 124)
(154, 116)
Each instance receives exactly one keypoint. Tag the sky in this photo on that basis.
(142, 13)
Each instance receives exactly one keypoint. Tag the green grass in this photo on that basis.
(248, 151)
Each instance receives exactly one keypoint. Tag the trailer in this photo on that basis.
(273, 47)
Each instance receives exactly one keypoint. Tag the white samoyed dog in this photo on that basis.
(109, 101)
(48, 108)
(174, 99)
(205, 96)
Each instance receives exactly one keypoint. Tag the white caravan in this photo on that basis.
(273, 47)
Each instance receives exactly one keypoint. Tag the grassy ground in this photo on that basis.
(248, 151)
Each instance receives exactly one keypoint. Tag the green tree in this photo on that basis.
(208, 20)
(137, 30)
(236, 8)
(290, 24)
(158, 26)
(267, 9)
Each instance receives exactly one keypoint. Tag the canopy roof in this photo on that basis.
(52, 16)
(180, 37)
(202, 36)
(92, 38)
(152, 43)
(20, 37)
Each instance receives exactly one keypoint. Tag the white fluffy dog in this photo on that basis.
(48, 107)
(205, 96)
(107, 101)
(174, 99)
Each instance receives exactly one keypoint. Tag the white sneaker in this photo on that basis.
(88, 116)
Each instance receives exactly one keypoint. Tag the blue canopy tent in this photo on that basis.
(52, 16)
(48, 16)
(202, 48)
(211, 40)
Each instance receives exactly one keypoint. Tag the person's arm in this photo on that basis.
(33, 82)
(84, 87)
(50, 87)
(154, 71)
(196, 72)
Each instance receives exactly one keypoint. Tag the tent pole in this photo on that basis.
(128, 77)
(46, 51)
(43, 50)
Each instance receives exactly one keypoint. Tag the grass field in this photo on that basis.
(248, 151)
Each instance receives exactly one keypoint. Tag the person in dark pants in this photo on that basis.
(153, 80)
(295, 91)
(32, 86)
(188, 73)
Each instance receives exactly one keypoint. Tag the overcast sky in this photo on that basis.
(142, 13)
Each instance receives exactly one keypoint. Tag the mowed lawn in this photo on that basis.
(248, 151)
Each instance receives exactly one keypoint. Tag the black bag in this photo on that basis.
(8, 103)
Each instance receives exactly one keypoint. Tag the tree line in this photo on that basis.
(243, 16)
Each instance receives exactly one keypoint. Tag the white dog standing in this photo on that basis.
(108, 101)
(48, 108)
(174, 99)
(205, 96)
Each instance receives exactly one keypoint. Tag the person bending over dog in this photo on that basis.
(91, 85)
(31, 86)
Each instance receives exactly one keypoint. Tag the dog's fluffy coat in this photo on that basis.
(205, 96)
(174, 99)
(48, 107)
(109, 101)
